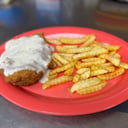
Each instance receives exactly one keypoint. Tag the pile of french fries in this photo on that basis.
(84, 61)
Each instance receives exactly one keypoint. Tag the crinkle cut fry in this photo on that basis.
(98, 72)
(86, 74)
(88, 64)
(76, 78)
(60, 58)
(92, 89)
(90, 39)
(82, 70)
(111, 75)
(90, 53)
(65, 40)
(90, 59)
(52, 76)
(62, 68)
(53, 41)
(112, 47)
(72, 50)
(85, 83)
(70, 46)
(69, 71)
(114, 60)
(57, 62)
(124, 65)
(109, 68)
(56, 81)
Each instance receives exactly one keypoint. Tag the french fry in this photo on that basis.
(69, 71)
(106, 64)
(71, 41)
(56, 81)
(124, 65)
(92, 89)
(66, 54)
(79, 50)
(76, 78)
(112, 75)
(69, 59)
(61, 49)
(96, 43)
(108, 68)
(90, 54)
(70, 46)
(86, 74)
(60, 58)
(73, 50)
(85, 83)
(113, 53)
(94, 67)
(53, 41)
(112, 47)
(113, 59)
(88, 64)
(52, 76)
(90, 59)
(90, 39)
(62, 68)
(82, 70)
(98, 72)
(56, 62)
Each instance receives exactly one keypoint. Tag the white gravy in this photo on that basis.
(25, 53)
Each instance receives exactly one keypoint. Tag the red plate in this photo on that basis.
(58, 100)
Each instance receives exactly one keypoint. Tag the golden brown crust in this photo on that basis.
(26, 77)
(42, 36)
(23, 77)
(51, 65)
(1, 71)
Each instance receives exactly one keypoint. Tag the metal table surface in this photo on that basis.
(21, 16)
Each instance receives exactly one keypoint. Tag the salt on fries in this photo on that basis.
(84, 61)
